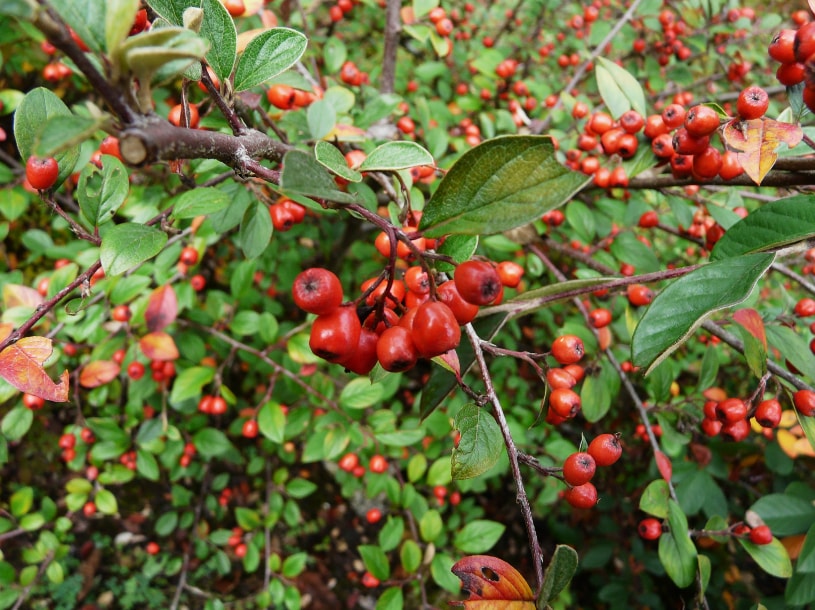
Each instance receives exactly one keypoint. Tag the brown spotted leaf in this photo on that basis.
(158, 346)
(162, 308)
(755, 143)
(21, 365)
(98, 372)
(492, 584)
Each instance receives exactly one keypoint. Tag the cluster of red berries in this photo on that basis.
(161, 371)
(428, 327)
(350, 463)
(579, 469)
(339, 10)
(564, 402)
(210, 404)
(795, 51)
(236, 543)
(804, 401)
(286, 213)
(286, 97)
(67, 442)
(187, 454)
(730, 417)
(443, 24)
(651, 529)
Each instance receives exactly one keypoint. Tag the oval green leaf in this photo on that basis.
(129, 244)
(267, 55)
(219, 29)
(393, 156)
(256, 230)
(773, 558)
(480, 445)
(333, 160)
(677, 552)
(618, 88)
(559, 572)
(101, 192)
(679, 309)
(200, 202)
(773, 225)
(478, 536)
(499, 185)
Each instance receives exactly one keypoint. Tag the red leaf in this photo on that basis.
(162, 308)
(664, 465)
(755, 143)
(752, 322)
(98, 372)
(493, 584)
(15, 295)
(158, 346)
(21, 365)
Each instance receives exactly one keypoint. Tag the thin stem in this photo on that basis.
(393, 28)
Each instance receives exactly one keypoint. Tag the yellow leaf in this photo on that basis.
(755, 143)
(158, 346)
(98, 372)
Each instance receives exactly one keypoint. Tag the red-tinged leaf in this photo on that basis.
(5, 330)
(21, 365)
(158, 346)
(449, 360)
(492, 584)
(16, 295)
(162, 308)
(751, 320)
(664, 465)
(755, 143)
(98, 372)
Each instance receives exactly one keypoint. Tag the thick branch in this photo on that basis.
(393, 27)
(774, 178)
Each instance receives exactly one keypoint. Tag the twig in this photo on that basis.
(182, 580)
(393, 28)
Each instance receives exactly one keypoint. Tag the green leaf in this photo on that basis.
(30, 118)
(272, 421)
(171, 10)
(806, 558)
(129, 244)
(167, 523)
(267, 55)
(478, 536)
(256, 230)
(800, 590)
(219, 29)
(558, 573)
(677, 552)
(101, 192)
(161, 52)
(106, 502)
(87, 18)
(375, 560)
(32, 522)
(147, 465)
(393, 156)
(430, 525)
(304, 175)
(23, 10)
(334, 55)
(410, 555)
(294, 564)
(392, 598)
(199, 202)
(794, 348)
(21, 501)
(501, 184)
(595, 394)
(773, 225)
(247, 518)
(480, 445)
(400, 438)
(773, 558)
(211, 442)
(620, 90)
(300, 488)
(55, 573)
(786, 515)
(189, 382)
(391, 533)
(360, 393)
(458, 247)
(333, 160)
(681, 307)
(64, 132)
(581, 219)
(119, 17)
(16, 423)
(321, 118)
(654, 499)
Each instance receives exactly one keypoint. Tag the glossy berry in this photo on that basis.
(649, 219)
(89, 509)
(317, 291)
(711, 427)
(803, 44)
(188, 256)
(32, 402)
(632, 121)
(464, 311)
(369, 580)
(378, 464)
(752, 103)
(41, 173)
(804, 401)
(781, 48)
(435, 329)
(135, 370)
(768, 413)
(250, 428)
(761, 535)
(121, 313)
(373, 515)
(735, 431)
(605, 449)
(639, 295)
(564, 402)
(731, 410)
(649, 529)
(582, 496)
(578, 468)
(673, 116)
(701, 121)
(510, 273)
(335, 335)
(363, 359)
(805, 308)
(281, 96)
(568, 349)
(395, 349)
(600, 317)
(176, 115)
(477, 282)
(560, 378)
(348, 462)
(152, 548)
(706, 165)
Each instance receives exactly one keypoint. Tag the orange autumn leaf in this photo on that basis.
(755, 143)
(492, 584)
(21, 365)
(158, 346)
(751, 320)
(5, 330)
(98, 372)
(664, 465)
(793, 544)
(162, 308)
(16, 295)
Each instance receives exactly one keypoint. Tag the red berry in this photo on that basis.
(582, 496)
(578, 468)
(363, 358)
(803, 44)
(560, 378)
(464, 311)
(805, 308)
(731, 410)
(736, 431)
(510, 273)
(317, 290)
(600, 317)
(395, 349)
(761, 534)
(706, 165)
(781, 48)
(673, 116)
(632, 121)
(250, 428)
(176, 115)
(711, 427)
(188, 256)
(804, 401)
(477, 282)
(568, 349)
(281, 96)
(701, 121)
(435, 329)
(378, 464)
(89, 509)
(649, 219)
(240, 550)
(768, 413)
(564, 402)
(649, 529)
(373, 515)
(369, 580)
(605, 449)
(152, 548)
(639, 295)
(121, 313)
(41, 173)
(752, 103)
(32, 402)
(198, 282)
(348, 462)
